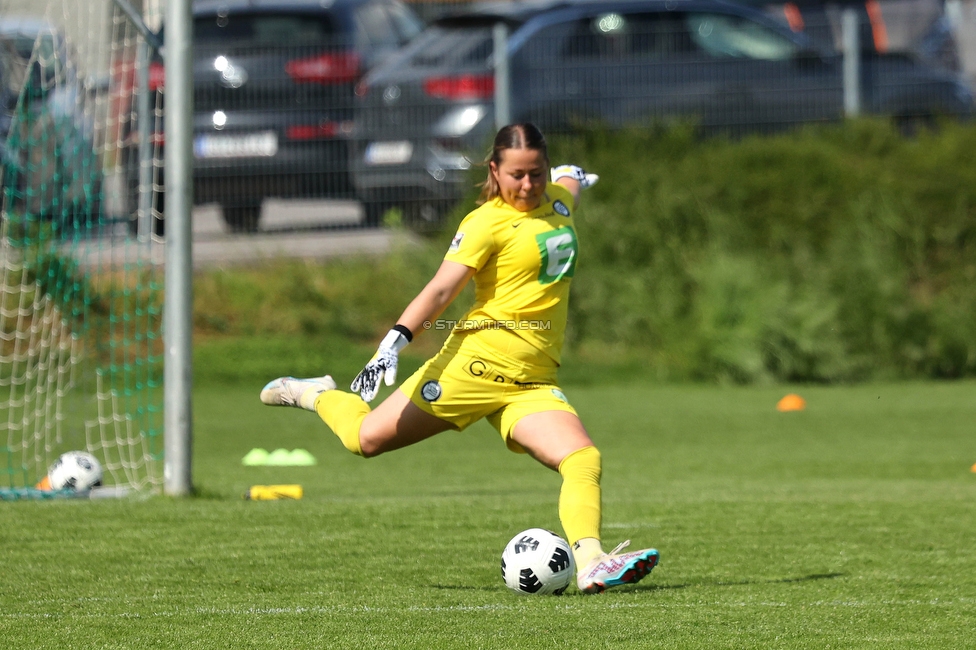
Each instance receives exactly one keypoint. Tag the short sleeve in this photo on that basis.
(560, 192)
(472, 245)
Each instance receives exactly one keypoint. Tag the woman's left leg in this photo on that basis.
(558, 440)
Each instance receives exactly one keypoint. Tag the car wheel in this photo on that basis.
(426, 216)
(242, 218)
(373, 212)
(911, 125)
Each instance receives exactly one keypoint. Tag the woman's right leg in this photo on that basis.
(396, 422)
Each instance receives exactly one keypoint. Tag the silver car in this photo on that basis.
(425, 116)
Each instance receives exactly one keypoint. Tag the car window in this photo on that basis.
(263, 30)
(375, 27)
(725, 36)
(614, 35)
(405, 22)
(666, 34)
(442, 46)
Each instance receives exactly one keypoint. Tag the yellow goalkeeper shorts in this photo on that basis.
(492, 374)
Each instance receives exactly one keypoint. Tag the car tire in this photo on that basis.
(426, 216)
(373, 212)
(911, 126)
(242, 218)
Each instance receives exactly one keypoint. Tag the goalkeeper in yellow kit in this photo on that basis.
(500, 361)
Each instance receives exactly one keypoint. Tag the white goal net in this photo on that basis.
(80, 273)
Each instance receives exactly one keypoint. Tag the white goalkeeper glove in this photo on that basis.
(574, 172)
(383, 365)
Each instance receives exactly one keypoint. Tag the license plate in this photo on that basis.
(251, 145)
(388, 153)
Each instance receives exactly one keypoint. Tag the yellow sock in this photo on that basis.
(584, 550)
(579, 503)
(344, 413)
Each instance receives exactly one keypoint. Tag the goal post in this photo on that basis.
(179, 247)
(83, 352)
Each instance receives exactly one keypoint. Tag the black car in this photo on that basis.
(273, 95)
(730, 67)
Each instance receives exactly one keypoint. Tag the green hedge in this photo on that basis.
(838, 253)
(831, 254)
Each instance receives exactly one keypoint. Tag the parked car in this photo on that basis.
(273, 95)
(920, 27)
(425, 115)
(51, 168)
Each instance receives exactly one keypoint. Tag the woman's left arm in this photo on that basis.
(574, 179)
(574, 188)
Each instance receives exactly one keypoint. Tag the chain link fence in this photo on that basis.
(343, 115)
(425, 118)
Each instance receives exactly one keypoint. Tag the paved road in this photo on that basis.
(288, 229)
(278, 215)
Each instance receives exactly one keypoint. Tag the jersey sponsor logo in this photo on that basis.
(559, 251)
(431, 391)
(560, 395)
(456, 243)
(560, 207)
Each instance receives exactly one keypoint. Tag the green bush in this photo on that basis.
(836, 253)
(830, 254)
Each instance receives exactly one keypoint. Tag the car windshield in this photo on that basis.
(736, 37)
(263, 30)
(449, 46)
(405, 21)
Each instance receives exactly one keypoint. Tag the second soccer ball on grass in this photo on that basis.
(75, 470)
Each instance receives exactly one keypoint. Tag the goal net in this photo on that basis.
(80, 265)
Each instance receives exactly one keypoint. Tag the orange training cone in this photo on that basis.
(44, 483)
(973, 468)
(791, 402)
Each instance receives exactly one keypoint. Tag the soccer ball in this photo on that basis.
(75, 470)
(538, 562)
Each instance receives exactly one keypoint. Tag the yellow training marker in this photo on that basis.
(273, 492)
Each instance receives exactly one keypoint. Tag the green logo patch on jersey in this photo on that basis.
(559, 251)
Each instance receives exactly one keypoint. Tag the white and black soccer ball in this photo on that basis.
(538, 562)
(75, 470)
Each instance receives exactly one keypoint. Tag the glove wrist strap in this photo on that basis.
(403, 330)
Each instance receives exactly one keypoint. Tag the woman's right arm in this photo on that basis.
(434, 298)
(430, 303)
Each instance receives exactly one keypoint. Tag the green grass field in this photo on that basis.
(848, 525)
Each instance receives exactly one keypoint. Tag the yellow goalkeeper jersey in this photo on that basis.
(524, 263)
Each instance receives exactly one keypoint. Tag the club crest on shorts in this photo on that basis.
(560, 207)
(456, 243)
(431, 391)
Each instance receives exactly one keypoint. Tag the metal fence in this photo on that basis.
(297, 127)
(732, 72)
